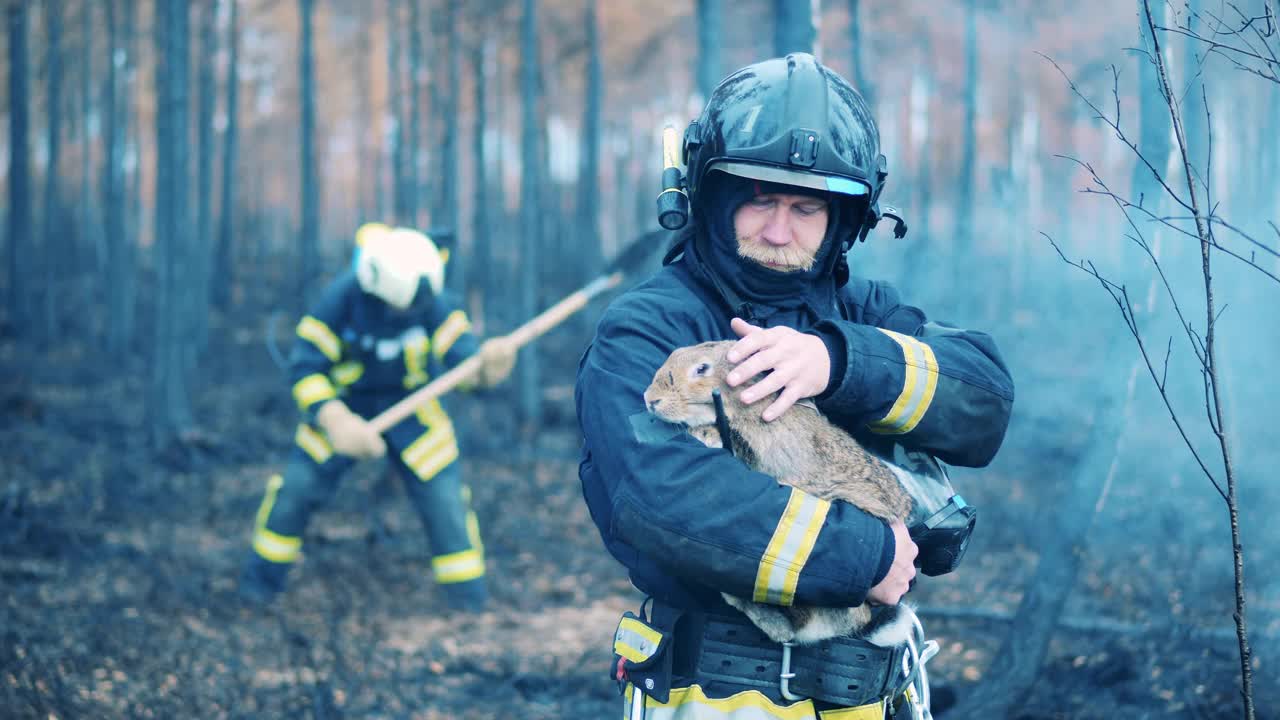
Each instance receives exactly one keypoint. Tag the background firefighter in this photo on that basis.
(381, 329)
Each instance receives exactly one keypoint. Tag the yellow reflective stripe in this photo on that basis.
(458, 567)
(274, 483)
(347, 373)
(272, 546)
(276, 548)
(872, 711)
(313, 389)
(433, 464)
(921, 380)
(432, 415)
(431, 453)
(415, 361)
(788, 551)
(635, 641)
(449, 332)
(427, 444)
(315, 444)
(319, 334)
(692, 702)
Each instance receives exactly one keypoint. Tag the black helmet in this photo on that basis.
(793, 121)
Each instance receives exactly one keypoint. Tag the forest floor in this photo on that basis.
(118, 566)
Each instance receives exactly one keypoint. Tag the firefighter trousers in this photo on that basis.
(424, 452)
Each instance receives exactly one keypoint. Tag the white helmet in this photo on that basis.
(391, 262)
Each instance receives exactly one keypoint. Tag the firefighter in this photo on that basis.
(380, 330)
(784, 175)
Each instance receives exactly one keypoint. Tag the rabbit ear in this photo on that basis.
(809, 403)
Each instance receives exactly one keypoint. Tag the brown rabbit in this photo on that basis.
(801, 449)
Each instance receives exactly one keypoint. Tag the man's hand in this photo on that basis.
(497, 358)
(349, 433)
(897, 581)
(798, 364)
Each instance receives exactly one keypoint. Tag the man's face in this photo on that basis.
(781, 232)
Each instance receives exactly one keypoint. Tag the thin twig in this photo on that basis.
(1120, 296)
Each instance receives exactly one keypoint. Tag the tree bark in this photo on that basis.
(413, 147)
(394, 94)
(92, 240)
(447, 188)
(482, 264)
(225, 272)
(710, 33)
(794, 29)
(969, 161)
(588, 225)
(309, 225)
(202, 256)
(170, 412)
(51, 234)
(19, 211)
(530, 410)
(857, 57)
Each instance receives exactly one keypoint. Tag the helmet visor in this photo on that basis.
(815, 181)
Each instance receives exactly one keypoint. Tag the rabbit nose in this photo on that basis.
(653, 405)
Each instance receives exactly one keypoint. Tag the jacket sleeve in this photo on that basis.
(317, 348)
(700, 513)
(937, 388)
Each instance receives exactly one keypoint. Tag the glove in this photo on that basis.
(349, 433)
(497, 357)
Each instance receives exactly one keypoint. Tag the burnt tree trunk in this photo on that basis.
(91, 236)
(710, 35)
(51, 234)
(309, 225)
(225, 265)
(482, 262)
(447, 186)
(969, 143)
(413, 147)
(202, 256)
(793, 29)
(170, 410)
(19, 211)
(588, 225)
(861, 80)
(530, 410)
(122, 275)
(395, 89)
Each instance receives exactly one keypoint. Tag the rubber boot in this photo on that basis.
(262, 580)
(469, 596)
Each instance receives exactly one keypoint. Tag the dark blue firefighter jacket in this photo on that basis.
(354, 345)
(690, 521)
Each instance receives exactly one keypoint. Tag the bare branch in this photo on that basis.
(1138, 239)
(1115, 127)
(1164, 375)
(1120, 296)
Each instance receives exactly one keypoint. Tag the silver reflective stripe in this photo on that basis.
(789, 549)
(627, 640)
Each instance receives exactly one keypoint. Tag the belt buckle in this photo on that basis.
(785, 674)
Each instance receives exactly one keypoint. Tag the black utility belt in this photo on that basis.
(843, 671)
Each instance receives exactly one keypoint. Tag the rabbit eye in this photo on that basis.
(702, 369)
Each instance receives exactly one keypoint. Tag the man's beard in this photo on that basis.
(789, 258)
